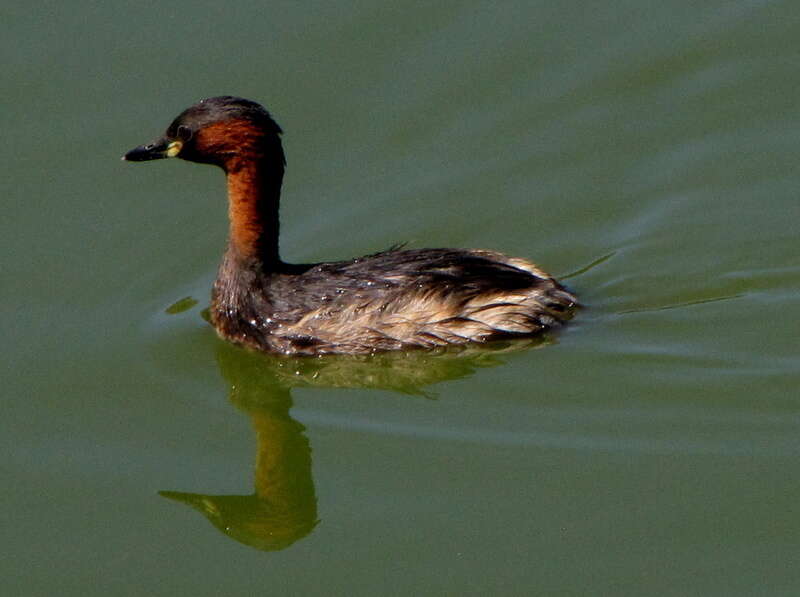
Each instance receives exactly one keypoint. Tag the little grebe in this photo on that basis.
(391, 300)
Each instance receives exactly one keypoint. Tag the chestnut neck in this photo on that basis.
(254, 187)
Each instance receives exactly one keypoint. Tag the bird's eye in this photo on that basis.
(184, 133)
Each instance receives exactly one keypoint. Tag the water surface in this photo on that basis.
(647, 152)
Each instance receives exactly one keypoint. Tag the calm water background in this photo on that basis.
(652, 448)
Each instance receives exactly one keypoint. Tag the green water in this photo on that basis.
(646, 150)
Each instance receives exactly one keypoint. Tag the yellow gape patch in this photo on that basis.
(174, 148)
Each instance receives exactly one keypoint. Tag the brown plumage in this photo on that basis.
(391, 300)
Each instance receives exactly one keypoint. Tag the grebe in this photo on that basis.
(395, 299)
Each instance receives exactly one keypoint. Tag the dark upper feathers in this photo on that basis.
(390, 300)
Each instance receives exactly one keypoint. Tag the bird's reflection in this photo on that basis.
(283, 507)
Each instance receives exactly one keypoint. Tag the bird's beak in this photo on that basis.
(162, 148)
